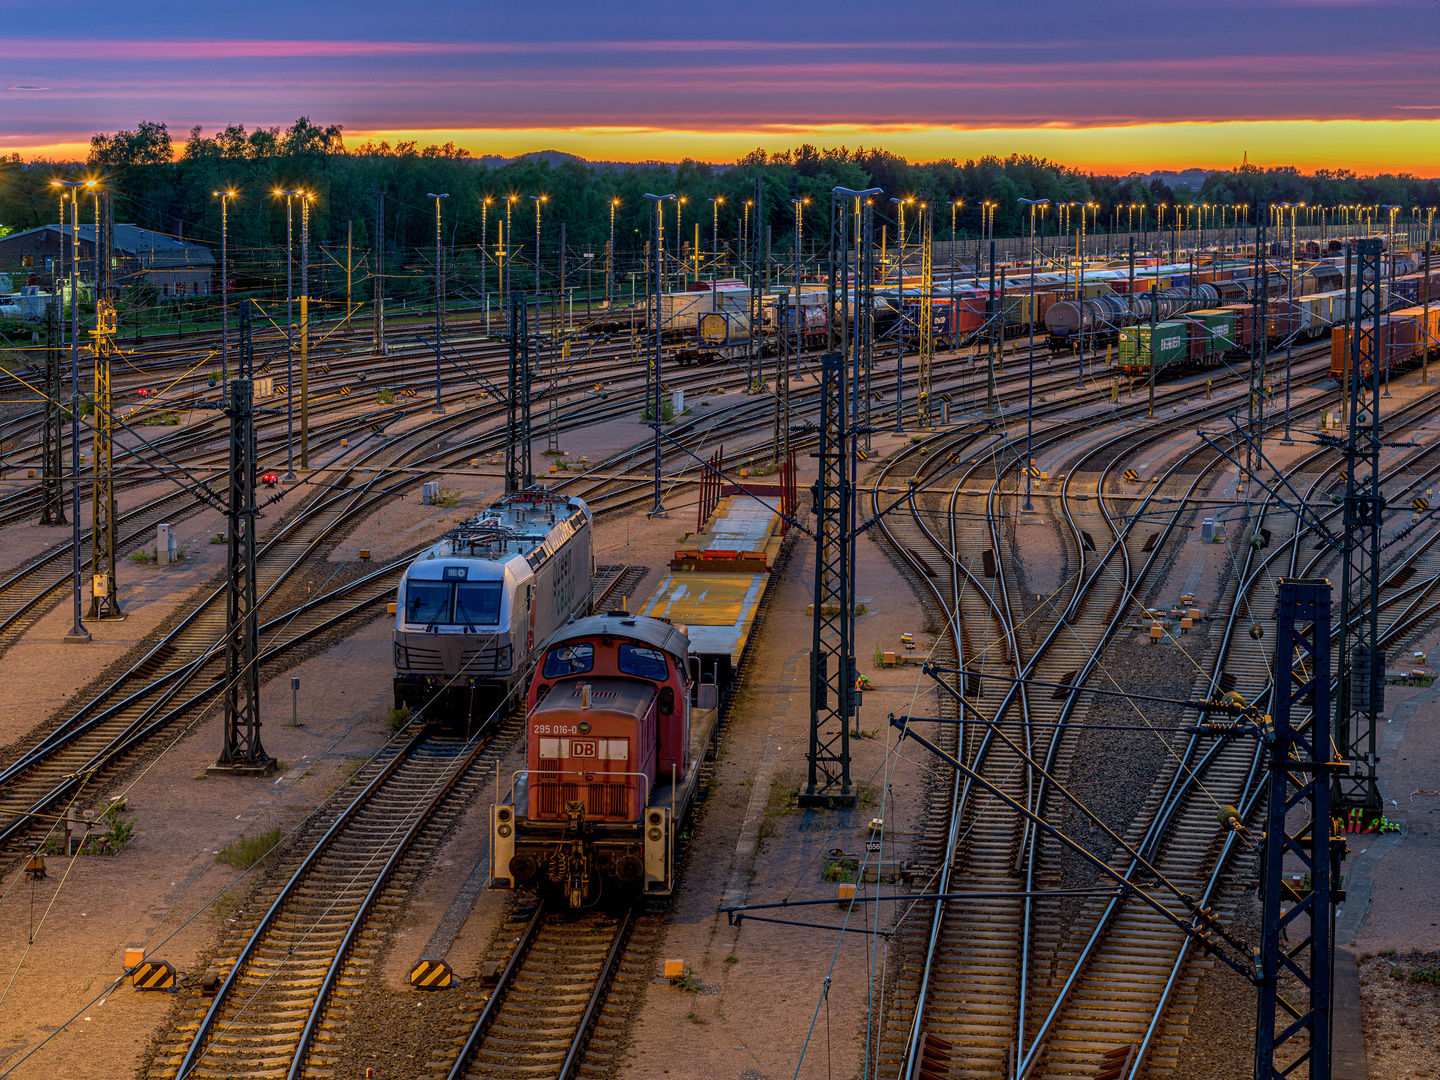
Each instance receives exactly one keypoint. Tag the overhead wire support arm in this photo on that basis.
(1299, 507)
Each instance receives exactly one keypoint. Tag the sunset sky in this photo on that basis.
(1109, 86)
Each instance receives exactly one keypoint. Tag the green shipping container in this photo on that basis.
(1170, 338)
(1222, 331)
(1219, 327)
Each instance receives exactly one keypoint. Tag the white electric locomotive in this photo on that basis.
(474, 609)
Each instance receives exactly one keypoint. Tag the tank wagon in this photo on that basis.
(473, 611)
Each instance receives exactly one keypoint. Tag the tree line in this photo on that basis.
(160, 187)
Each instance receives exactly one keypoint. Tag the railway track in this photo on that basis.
(979, 994)
(279, 1011)
(1127, 982)
(549, 994)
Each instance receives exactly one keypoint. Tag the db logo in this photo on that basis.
(584, 748)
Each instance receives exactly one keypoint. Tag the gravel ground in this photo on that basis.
(1400, 1003)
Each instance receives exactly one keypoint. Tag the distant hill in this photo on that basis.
(557, 157)
(1192, 178)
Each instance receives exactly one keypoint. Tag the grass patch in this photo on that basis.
(447, 498)
(245, 851)
(385, 397)
(784, 795)
(687, 980)
(398, 718)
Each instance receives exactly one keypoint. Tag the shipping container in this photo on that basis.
(1340, 346)
(1166, 347)
(1415, 327)
(1215, 330)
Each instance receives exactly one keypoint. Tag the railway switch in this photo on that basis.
(432, 973)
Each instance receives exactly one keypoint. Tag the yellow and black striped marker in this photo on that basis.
(431, 974)
(325, 369)
(1131, 474)
(344, 391)
(1035, 471)
(861, 455)
(1422, 503)
(154, 975)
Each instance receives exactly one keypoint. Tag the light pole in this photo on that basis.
(539, 201)
(506, 284)
(715, 237)
(658, 510)
(485, 202)
(1030, 402)
(792, 363)
(305, 330)
(610, 259)
(224, 197)
(679, 240)
(1292, 318)
(289, 331)
(78, 634)
(440, 287)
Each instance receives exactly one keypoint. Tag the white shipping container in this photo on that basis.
(679, 311)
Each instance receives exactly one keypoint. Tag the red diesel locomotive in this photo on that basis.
(617, 729)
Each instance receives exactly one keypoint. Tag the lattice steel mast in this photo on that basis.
(1300, 763)
(1361, 661)
(927, 313)
(52, 432)
(242, 752)
(519, 474)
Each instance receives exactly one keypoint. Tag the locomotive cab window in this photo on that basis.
(427, 601)
(477, 602)
(569, 660)
(642, 662)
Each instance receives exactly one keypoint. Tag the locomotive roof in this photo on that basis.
(533, 523)
(656, 632)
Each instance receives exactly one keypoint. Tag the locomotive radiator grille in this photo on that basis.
(491, 661)
(610, 801)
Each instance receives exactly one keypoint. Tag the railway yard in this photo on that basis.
(1073, 553)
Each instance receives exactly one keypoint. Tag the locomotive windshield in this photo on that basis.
(477, 602)
(569, 660)
(426, 601)
(643, 663)
(464, 603)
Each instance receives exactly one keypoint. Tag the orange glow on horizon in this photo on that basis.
(1364, 146)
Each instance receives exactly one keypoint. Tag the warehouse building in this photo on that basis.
(175, 267)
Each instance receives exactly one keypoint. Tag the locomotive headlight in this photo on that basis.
(504, 831)
(583, 727)
(655, 835)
